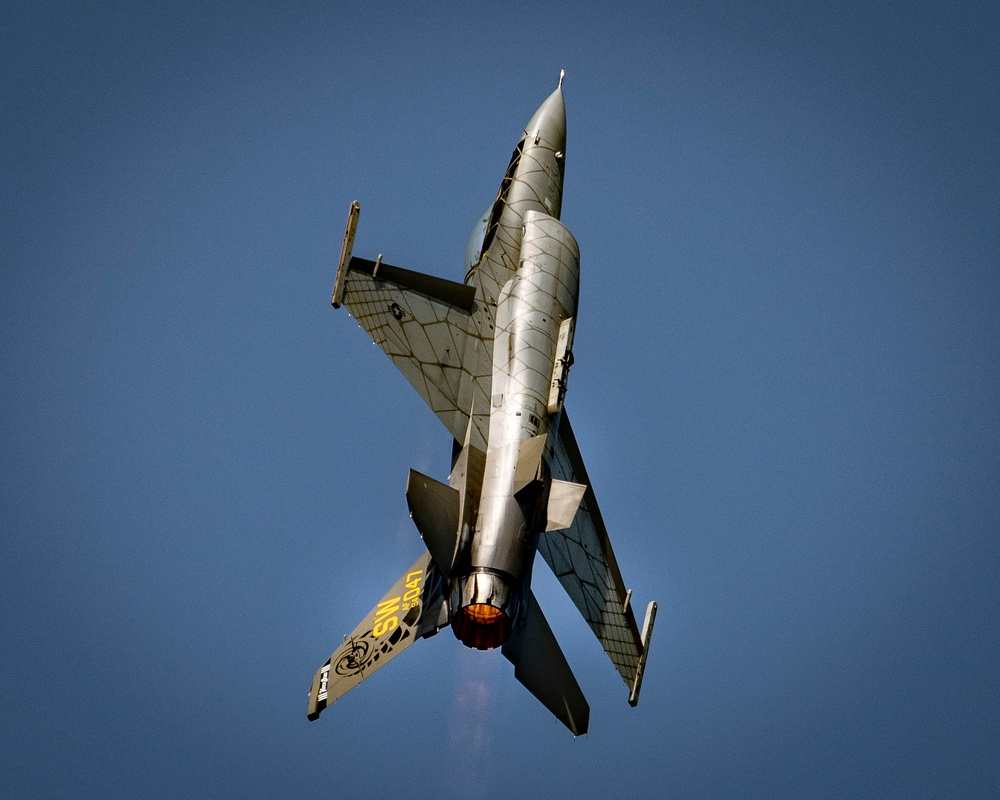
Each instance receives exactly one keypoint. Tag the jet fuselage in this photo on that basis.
(490, 357)
(529, 266)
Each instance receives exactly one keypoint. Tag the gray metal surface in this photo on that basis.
(491, 357)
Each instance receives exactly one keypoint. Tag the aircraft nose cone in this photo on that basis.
(548, 124)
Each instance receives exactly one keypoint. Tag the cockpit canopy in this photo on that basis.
(486, 229)
(475, 248)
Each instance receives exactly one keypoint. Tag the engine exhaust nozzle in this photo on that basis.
(484, 606)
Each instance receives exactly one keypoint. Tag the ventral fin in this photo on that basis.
(564, 500)
(529, 461)
(434, 507)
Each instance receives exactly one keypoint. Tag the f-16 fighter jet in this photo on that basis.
(491, 357)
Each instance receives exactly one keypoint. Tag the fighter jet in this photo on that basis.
(491, 357)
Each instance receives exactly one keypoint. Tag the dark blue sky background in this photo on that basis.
(785, 389)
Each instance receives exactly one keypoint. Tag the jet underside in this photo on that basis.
(491, 358)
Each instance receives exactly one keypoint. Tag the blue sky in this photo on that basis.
(785, 389)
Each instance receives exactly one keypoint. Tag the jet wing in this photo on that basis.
(430, 328)
(414, 608)
(583, 560)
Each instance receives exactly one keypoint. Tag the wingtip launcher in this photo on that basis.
(345, 255)
(647, 634)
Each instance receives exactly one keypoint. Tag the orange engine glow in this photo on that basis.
(481, 626)
(482, 614)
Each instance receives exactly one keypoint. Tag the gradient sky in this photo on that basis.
(785, 389)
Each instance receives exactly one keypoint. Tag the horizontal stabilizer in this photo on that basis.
(413, 608)
(541, 667)
(434, 507)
